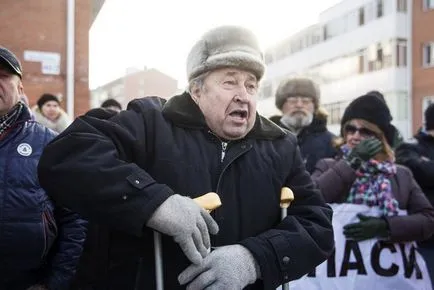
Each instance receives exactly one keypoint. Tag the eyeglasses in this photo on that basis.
(294, 100)
(362, 131)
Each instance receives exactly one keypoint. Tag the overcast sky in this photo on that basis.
(159, 34)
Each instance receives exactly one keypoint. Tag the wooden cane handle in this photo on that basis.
(209, 201)
(286, 197)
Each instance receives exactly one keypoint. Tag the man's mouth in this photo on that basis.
(239, 114)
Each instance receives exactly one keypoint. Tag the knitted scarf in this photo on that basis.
(9, 119)
(372, 186)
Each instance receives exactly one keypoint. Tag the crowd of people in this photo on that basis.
(90, 193)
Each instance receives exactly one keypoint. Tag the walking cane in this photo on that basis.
(209, 202)
(286, 197)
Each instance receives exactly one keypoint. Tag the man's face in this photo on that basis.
(227, 99)
(11, 89)
(298, 111)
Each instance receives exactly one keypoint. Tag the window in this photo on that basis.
(380, 8)
(335, 111)
(428, 54)
(361, 16)
(362, 54)
(401, 5)
(428, 4)
(380, 56)
(401, 53)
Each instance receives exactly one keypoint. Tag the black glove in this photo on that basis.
(368, 228)
(364, 151)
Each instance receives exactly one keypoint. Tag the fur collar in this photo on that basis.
(183, 112)
(59, 125)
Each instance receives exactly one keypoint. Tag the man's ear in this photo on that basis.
(20, 87)
(195, 93)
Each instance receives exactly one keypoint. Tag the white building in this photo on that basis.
(357, 46)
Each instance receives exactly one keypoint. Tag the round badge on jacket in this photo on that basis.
(24, 149)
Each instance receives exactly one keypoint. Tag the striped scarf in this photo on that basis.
(372, 186)
(9, 119)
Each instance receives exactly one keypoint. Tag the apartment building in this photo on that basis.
(356, 46)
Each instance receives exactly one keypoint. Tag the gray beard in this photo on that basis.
(297, 122)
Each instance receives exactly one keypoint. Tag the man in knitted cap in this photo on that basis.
(419, 157)
(40, 243)
(298, 99)
(139, 171)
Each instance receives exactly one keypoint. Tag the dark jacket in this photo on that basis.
(315, 141)
(122, 169)
(335, 178)
(419, 157)
(38, 241)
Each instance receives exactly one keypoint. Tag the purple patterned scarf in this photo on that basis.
(372, 186)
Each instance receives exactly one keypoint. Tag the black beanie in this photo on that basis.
(429, 117)
(46, 98)
(372, 109)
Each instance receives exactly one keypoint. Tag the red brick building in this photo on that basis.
(36, 31)
(423, 58)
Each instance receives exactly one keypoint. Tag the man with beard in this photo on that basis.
(298, 99)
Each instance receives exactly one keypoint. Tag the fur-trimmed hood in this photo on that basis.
(62, 122)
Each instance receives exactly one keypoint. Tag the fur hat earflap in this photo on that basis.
(226, 46)
(297, 87)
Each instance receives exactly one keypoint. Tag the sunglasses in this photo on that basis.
(362, 131)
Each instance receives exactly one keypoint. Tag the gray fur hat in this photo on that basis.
(226, 46)
(294, 87)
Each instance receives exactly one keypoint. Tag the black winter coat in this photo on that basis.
(419, 157)
(118, 171)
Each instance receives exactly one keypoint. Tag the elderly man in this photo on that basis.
(138, 172)
(298, 99)
(40, 244)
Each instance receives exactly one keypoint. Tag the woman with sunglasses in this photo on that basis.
(365, 173)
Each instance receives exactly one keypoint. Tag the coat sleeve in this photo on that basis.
(303, 240)
(423, 169)
(88, 168)
(418, 225)
(334, 179)
(65, 253)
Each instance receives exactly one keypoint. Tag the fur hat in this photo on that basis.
(429, 117)
(372, 109)
(226, 46)
(294, 87)
(46, 98)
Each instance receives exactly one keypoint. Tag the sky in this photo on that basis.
(159, 34)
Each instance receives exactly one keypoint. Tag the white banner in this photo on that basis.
(367, 265)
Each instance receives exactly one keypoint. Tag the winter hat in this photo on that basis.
(111, 103)
(46, 98)
(226, 46)
(372, 109)
(294, 87)
(429, 117)
(10, 61)
(381, 97)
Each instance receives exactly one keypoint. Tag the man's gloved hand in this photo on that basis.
(367, 228)
(228, 267)
(364, 151)
(188, 224)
